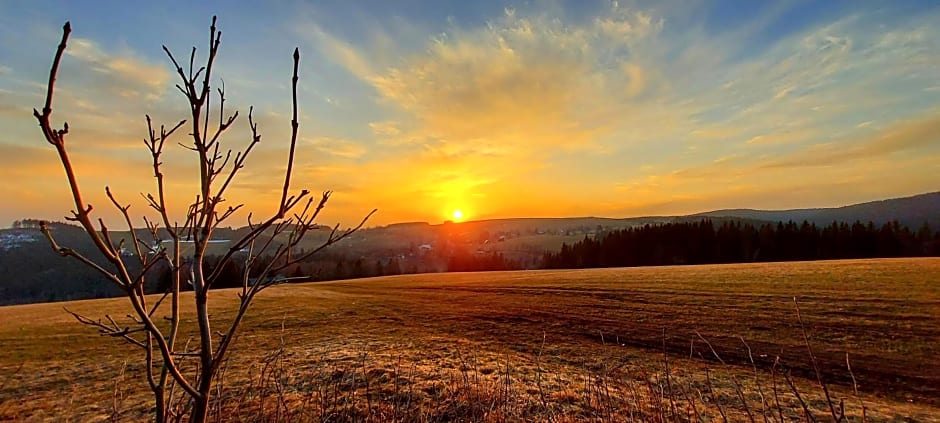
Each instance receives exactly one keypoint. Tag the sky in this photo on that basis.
(494, 108)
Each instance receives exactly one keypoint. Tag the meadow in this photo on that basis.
(683, 343)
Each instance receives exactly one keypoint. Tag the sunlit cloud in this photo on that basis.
(385, 129)
(905, 136)
(122, 74)
(519, 82)
(338, 147)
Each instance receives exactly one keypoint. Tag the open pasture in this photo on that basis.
(576, 345)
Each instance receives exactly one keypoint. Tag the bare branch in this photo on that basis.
(203, 216)
(63, 251)
(156, 305)
(334, 239)
(710, 347)
(179, 70)
(114, 330)
(836, 417)
(240, 157)
(293, 137)
(130, 225)
(54, 137)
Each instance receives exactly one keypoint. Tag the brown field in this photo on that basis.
(529, 345)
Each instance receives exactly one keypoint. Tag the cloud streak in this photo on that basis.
(903, 137)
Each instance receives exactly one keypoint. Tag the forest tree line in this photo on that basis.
(701, 242)
(43, 275)
(337, 266)
(704, 242)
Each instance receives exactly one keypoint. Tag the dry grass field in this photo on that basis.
(598, 345)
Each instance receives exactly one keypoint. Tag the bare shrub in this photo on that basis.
(182, 377)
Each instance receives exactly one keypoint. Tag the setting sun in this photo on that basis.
(457, 215)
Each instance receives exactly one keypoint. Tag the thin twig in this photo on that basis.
(760, 391)
(836, 417)
(855, 389)
(796, 392)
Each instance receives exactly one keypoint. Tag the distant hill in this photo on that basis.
(33, 272)
(910, 211)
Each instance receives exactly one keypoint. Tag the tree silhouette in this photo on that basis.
(254, 262)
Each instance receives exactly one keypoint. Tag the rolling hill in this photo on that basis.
(35, 273)
(910, 211)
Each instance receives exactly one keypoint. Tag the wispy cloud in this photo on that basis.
(122, 74)
(905, 136)
(338, 147)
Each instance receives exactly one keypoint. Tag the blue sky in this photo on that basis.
(498, 108)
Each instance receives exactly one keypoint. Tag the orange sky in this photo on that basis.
(539, 109)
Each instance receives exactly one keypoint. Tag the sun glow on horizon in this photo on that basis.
(449, 113)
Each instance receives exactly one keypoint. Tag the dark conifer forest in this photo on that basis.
(706, 242)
